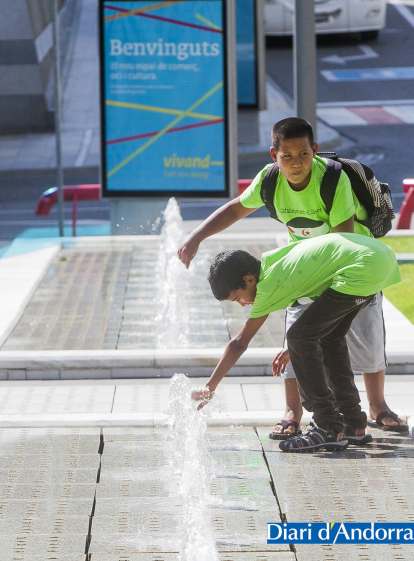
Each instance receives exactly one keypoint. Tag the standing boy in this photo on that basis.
(299, 205)
(343, 272)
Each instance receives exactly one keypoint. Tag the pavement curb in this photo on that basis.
(151, 363)
(152, 420)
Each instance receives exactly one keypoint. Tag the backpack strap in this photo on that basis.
(268, 188)
(329, 182)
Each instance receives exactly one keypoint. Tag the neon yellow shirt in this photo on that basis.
(304, 212)
(348, 263)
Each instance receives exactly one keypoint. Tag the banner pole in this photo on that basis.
(58, 114)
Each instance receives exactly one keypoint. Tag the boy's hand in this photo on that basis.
(280, 361)
(187, 251)
(204, 396)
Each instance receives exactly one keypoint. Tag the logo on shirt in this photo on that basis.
(304, 228)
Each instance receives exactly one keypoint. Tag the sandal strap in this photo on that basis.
(285, 423)
(384, 414)
(311, 437)
(296, 442)
(350, 431)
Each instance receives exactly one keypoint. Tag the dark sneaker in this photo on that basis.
(352, 436)
(313, 439)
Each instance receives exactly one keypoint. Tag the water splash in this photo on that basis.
(194, 466)
(173, 283)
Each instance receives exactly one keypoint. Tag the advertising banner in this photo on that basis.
(163, 89)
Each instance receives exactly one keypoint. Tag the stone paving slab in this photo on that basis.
(236, 459)
(224, 523)
(20, 276)
(50, 446)
(233, 434)
(20, 476)
(258, 490)
(49, 433)
(44, 491)
(223, 556)
(97, 298)
(132, 543)
(243, 445)
(56, 399)
(35, 507)
(239, 436)
(133, 454)
(44, 525)
(361, 484)
(149, 524)
(138, 489)
(143, 398)
(129, 506)
(262, 397)
(54, 462)
(242, 464)
(134, 434)
(23, 547)
(232, 398)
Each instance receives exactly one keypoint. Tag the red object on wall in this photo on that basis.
(75, 193)
(243, 184)
(407, 207)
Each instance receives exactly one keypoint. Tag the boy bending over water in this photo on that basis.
(344, 272)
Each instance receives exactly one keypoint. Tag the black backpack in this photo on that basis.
(374, 196)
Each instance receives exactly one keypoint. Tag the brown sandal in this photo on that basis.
(285, 423)
(380, 425)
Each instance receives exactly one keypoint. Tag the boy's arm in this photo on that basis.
(221, 219)
(347, 226)
(235, 348)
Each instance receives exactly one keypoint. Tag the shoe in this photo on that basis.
(313, 439)
(353, 438)
(285, 423)
(378, 424)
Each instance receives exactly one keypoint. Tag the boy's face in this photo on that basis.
(245, 296)
(295, 157)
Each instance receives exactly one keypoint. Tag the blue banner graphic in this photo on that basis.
(340, 532)
(164, 96)
(246, 52)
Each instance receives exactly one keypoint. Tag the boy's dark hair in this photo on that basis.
(228, 269)
(293, 127)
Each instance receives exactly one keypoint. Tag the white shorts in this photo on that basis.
(365, 339)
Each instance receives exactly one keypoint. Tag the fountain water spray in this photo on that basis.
(173, 283)
(194, 466)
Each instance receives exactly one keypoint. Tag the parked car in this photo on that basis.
(331, 16)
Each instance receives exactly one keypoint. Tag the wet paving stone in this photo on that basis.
(139, 509)
(112, 297)
(371, 483)
(223, 556)
(48, 480)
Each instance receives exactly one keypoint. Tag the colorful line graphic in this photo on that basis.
(140, 10)
(168, 20)
(207, 22)
(163, 88)
(161, 110)
(176, 129)
(165, 130)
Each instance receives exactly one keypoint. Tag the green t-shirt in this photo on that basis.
(348, 263)
(304, 212)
